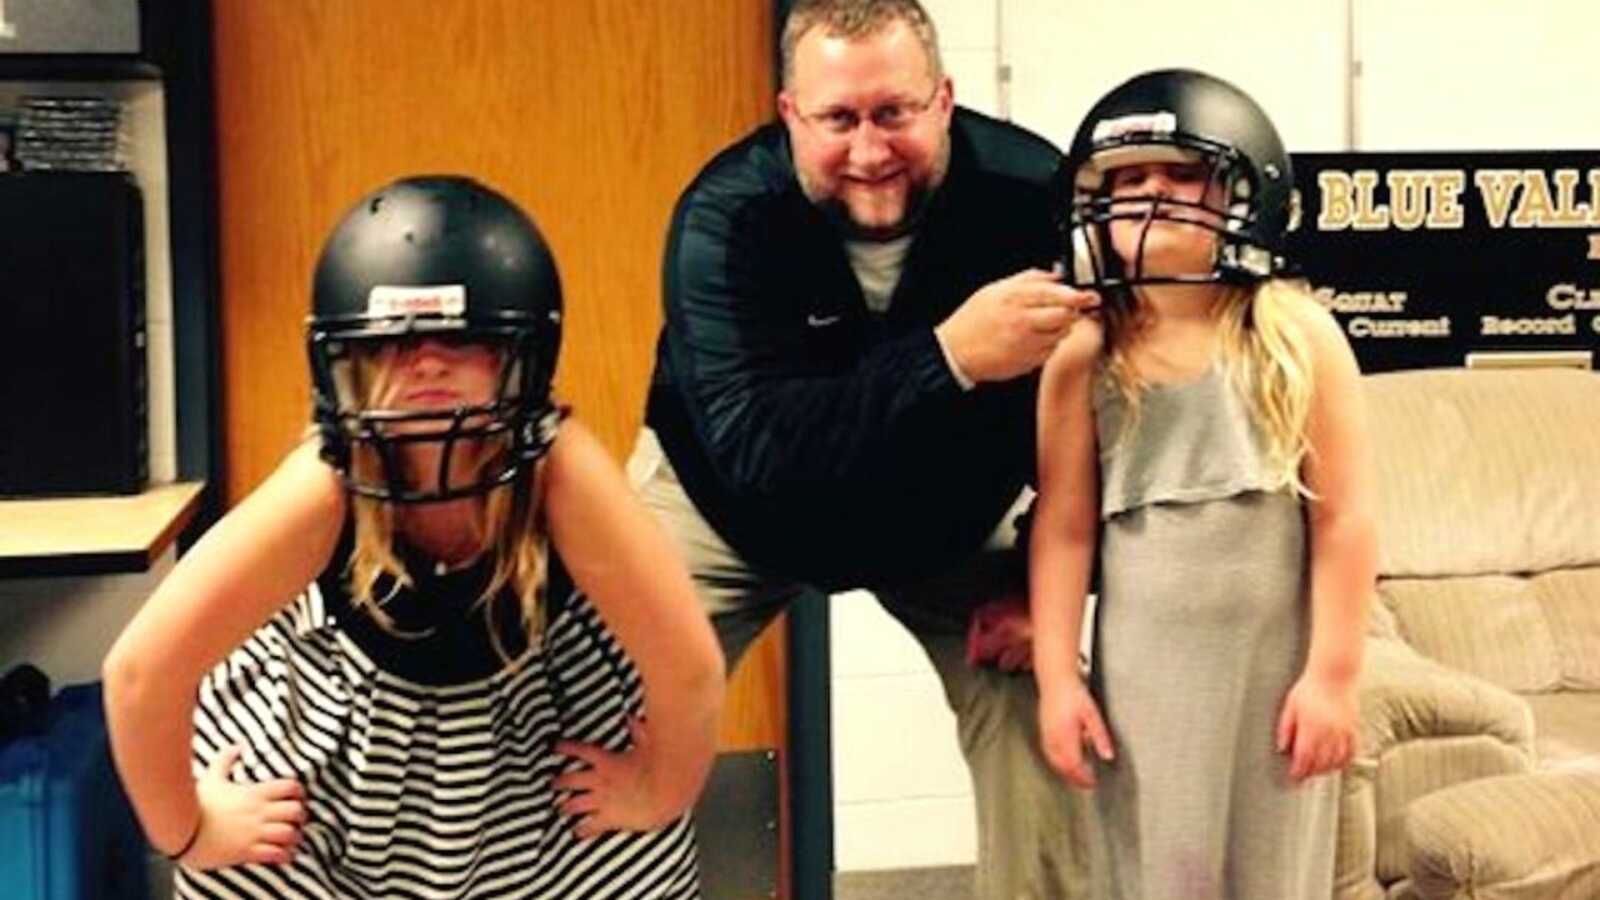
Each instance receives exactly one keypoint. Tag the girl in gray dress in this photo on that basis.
(1203, 441)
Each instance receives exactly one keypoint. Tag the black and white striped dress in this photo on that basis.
(426, 762)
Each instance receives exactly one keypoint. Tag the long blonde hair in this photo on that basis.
(510, 524)
(1267, 357)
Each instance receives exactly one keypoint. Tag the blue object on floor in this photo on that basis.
(66, 830)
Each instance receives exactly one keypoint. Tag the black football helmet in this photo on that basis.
(1178, 115)
(450, 259)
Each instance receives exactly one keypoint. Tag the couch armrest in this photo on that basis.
(1407, 697)
(1424, 727)
(1532, 835)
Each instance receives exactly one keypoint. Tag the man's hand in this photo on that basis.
(244, 823)
(617, 791)
(1000, 633)
(1009, 327)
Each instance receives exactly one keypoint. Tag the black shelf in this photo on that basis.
(175, 38)
(76, 67)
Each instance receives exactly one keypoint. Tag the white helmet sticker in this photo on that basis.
(1164, 123)
(386, 300)
(1092, 173)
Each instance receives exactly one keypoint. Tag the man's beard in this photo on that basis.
(919, 197)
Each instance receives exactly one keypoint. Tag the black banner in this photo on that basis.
(1450, 259)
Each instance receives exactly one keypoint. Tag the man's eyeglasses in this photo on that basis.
(892, 117)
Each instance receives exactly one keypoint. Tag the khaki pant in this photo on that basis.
(1033, 831)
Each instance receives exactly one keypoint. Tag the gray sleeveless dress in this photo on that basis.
(1203, 626)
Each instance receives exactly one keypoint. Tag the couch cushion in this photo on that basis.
(1526, 634)
(1492, 626)
(1381, 622)
(1571, 602)
(1485, 471)
(1515, 837)
(1566, 730)
(1419, 769)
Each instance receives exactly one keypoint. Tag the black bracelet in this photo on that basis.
(189, 844)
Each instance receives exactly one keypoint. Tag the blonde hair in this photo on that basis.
(510, 526)
(1267, 357)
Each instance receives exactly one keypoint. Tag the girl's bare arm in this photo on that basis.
(632, 572)
(247, 567)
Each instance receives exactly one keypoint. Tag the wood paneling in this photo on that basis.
(593, 114)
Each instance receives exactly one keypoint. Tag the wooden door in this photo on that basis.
(593, 114)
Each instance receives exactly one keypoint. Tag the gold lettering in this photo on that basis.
(1338, 208)
(1569, 296)
(1537, 208)
(1594, 246)
(1370, 214)
(1408, 198)
(1446, 210)
(1497, 186)
(1569, 212)
(1361, 301)
(1496, 326)
(1364, 327)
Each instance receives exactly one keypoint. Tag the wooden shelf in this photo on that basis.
(93, 535)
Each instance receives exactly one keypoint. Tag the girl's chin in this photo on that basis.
(1158, 261)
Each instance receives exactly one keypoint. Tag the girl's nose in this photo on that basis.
(1156, 181)
(427, 351)
(1148, 178)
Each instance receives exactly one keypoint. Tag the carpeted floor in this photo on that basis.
(945, 883)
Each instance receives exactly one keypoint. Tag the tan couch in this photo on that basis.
(1479, 770)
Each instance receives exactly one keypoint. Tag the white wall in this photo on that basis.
(65, 625)
(1334, 75)
(1476, 75)
(902, 798)
(970, 45)
(1065, 54)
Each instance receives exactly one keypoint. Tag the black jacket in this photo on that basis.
(822, 441)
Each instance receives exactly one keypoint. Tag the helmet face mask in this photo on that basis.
(1184, 118)
(449, 262)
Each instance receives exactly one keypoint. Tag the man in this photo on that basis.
(856, 307)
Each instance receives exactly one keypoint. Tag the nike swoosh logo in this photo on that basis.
(816, 321)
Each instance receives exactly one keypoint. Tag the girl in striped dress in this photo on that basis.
(426, 646)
